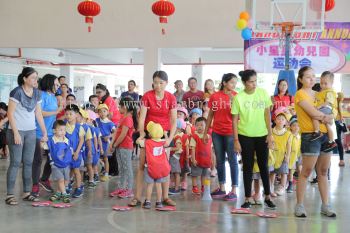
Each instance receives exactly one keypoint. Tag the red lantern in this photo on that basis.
(330, 5)
(89, 9)
(163, 8)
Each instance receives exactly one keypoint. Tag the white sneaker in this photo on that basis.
(280, 192)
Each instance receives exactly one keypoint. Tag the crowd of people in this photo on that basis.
(278, 139)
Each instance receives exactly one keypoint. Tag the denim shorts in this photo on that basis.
(314, 148)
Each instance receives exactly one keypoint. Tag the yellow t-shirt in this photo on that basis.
(70, 129)
(329, 96)
(280, 149)
(304, 120)
(295, 152)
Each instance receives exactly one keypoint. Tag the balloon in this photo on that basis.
(246, 34)
(241, 24)
(244, 15)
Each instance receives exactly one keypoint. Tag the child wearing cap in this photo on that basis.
(75, 133)
(178, 156)
(194, 114)
(60, 156)
(294, 161)
(87, 146)
(107, 128)
(200, 155)
(281, 150)
(156, 163)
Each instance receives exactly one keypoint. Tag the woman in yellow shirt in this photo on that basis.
(312, 151)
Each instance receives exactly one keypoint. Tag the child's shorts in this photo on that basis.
(175, 165)
(256, 176)
(326, 110)
(87, 161)
(200, 171)
(60, 173)
(150, 180)
(283, 169)
(77, 163)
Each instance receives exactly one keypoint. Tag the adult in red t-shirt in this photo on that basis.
(220, 113)
(192, 98)
(105, 98)
(282, 99)
(160, 107)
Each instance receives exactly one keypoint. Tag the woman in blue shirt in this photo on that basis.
(48, 86)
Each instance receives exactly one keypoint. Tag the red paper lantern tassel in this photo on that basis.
(163, 19)
(89, 20)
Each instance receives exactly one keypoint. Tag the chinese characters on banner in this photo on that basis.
(328, 52)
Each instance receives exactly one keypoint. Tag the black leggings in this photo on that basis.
(339, 141)
(36, 167)
(250, 146)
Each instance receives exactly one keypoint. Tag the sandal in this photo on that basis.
(134, 203)
(169, 202)
(31, 198)
(11, 200)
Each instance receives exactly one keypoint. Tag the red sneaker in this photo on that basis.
(195, 190)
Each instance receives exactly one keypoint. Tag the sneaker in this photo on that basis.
(174, 191)
(169, 202)
(159, 204)
(246, 205)
(290, 189)
(35, 190)
(217, 193)
(96, 178)
(65, 198)
(273, 194)
(91, 185)
(147, 205)
(116, 192)
(104, 178)
(280, 192)
(69, 188)
(326, 210)
(315, 136)
(231, 196)
(127, 193)
(78, 192)
(183, 186)
(82, 187)
(329, 146)
(46, 185)
(299, 211)
(314, 181)
(269, 204)
(56, 197)
(196, 191)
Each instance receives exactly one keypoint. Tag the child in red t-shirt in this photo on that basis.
(200, 155)
(123, 143)
(178, 156)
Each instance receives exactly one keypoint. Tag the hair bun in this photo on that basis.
(241, 73)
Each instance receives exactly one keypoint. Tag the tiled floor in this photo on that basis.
(93, 212)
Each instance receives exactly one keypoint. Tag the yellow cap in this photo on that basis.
(83, 113)
(101, 106)
(155, 130)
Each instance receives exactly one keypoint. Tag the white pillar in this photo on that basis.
(151, 64)
(68, 72)
(88, 86)
(111, 85)
(197, 71)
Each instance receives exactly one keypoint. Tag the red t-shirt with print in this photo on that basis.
(220, 104)
(158, 111)
(127, 143)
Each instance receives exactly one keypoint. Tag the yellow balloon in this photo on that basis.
(241, 24)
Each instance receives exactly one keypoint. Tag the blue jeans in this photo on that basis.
(23, 153)
(223, 144)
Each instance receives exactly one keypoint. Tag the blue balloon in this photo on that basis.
(246, 34)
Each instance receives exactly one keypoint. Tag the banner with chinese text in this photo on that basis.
(327, 50)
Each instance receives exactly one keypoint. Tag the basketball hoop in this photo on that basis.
(285, 33)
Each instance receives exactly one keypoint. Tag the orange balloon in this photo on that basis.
(244, 15)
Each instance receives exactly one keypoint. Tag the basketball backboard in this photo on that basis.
(308, 14)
